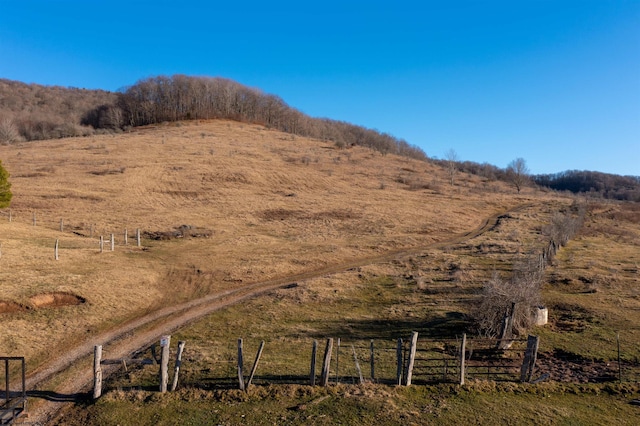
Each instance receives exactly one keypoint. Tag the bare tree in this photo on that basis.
(452, 159)
(8, 131)
(518, 173)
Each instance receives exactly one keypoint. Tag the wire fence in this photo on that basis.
(93, 236)
(383, 361)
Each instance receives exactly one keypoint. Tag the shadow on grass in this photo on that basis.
(59, 397)
(450, 325)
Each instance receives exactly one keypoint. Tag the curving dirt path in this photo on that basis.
(122, 341)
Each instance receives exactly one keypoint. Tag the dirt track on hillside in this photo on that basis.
(124, 340)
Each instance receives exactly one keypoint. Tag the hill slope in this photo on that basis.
(267, 205)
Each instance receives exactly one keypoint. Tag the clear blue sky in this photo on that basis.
(555, 82)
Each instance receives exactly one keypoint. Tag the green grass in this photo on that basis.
(479, 403)
(384, 302)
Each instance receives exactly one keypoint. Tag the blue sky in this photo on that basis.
(555, 82)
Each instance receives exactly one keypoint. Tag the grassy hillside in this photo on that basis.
(222, 204)
(270, 205)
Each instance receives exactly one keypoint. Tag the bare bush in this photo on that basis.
(8, 131)
(521, 292)
(565, 226)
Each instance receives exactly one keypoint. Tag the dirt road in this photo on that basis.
(122, 341)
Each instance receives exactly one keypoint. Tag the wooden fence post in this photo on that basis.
(506, 333)
(113, 243)
(255, 364)
(373, 363)
(312, 374)
(412, 358)
(56, 249)
(463, 345)
(101, 243)
(9, 215)
(240, 365)
(530, 357)
(61, 225)
(164, 362)
(138, 236)
(400, 361)
(355, 359)
(338, 361)
(327, 362)
(97, 371)
(126, 237)
(176, 369)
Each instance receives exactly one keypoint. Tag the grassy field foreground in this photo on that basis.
(431, 293)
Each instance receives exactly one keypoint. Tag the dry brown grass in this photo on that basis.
(273, 207)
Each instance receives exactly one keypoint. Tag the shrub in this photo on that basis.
(5, 187)
(522, 291)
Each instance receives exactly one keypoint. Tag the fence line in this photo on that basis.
(58, 245)
(415, 361)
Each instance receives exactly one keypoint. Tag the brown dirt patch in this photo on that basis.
(7, 307)
(56, 300)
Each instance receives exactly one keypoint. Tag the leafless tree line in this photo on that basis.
(32, 111)
(593, 183)
(179, 97)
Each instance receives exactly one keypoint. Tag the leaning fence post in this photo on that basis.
(400, 362)
(355, 359)
(56, 249)
(529, 361)
(312, 374)
(164, 362)
(97, 371)
(240, 365)
(176, 369)
(255, 364)
(463, 345)
(327, 362)
(412, 358)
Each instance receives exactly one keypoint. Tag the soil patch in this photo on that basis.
(562, 366)
(182, 231)
(56, 300)
(7, 307)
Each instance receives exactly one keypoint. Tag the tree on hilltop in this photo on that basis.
(451, 158)
(5, 187)
(518, 173)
